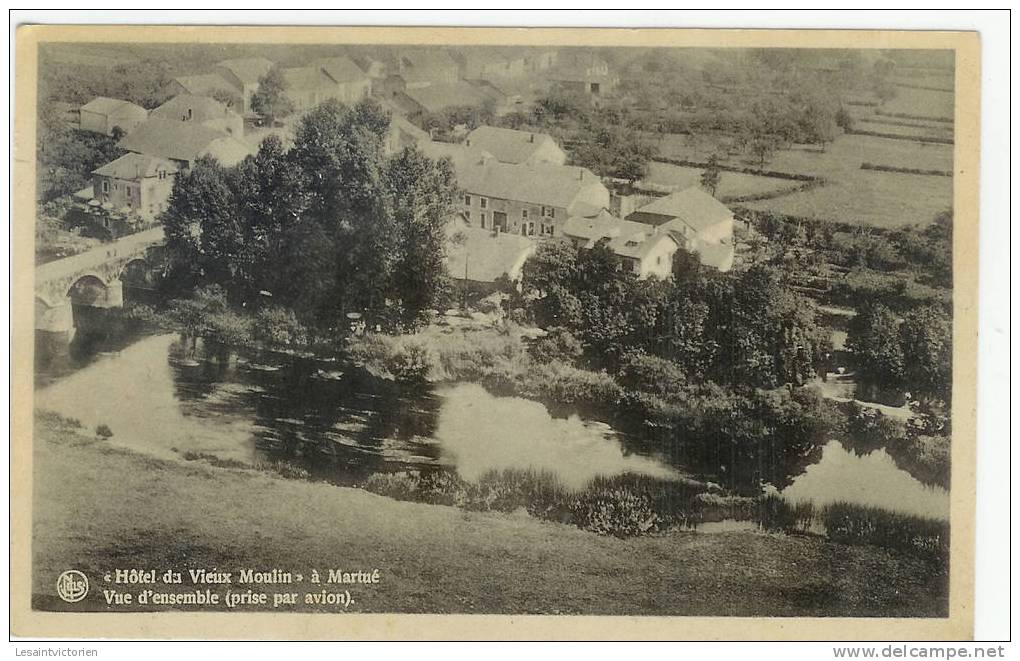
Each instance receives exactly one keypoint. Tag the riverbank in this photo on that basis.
(99, 508)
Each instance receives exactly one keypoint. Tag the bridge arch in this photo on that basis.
(89, 289)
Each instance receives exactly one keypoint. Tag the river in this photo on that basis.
(177, 398)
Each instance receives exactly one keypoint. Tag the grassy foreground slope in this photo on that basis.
(99, 508)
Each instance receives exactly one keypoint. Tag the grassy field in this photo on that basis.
(97, 508)
(731, 184)
(921, 102)
(880, 199)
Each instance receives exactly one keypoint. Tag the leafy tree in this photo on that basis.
(421, 192)
(873, 337)
(271, 100)
(612, 150)
(711, 176)
(926, 336)
(844, 119)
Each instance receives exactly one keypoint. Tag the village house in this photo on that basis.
(307, 87)
(540, 59)
(135, 184)
(483, 63)
(698, 221)
(643, 248)
(521, 147)
(584, 72)
(212, 85)
(103, 114)
(530, 200)
(436, 98)
(244, 74)
(402, 133)
(184, 143)
(478, 258)
(201, 110)
(352, 83)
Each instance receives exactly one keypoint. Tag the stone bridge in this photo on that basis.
(94, 278)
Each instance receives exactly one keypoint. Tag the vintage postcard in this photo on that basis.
(401, 333)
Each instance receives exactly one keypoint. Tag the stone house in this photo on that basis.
(698, 221)
(512, 146)
(644, 249)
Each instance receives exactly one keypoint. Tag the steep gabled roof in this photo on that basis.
(342, 69)
(508, 145)
(135, 166)
(249, 70)
(692, 207)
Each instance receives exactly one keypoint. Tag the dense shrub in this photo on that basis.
(103, 431)
(410, 361)
(559, 344)
(279, 326)
(855, 524)
(616, 512)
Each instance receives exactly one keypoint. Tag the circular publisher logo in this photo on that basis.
(72, 586)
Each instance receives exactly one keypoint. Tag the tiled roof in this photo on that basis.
(542, 183)
(440, 96)
(181, 141)
(248, 69)
(104, 105)
(306, 78)
(205, 84)
(461, 156)
(507, 145)
(342, 69)
(484, 254)
(135, 166)
(692, 207)
(202, 108)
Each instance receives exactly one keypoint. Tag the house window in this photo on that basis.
(467, 200)
(524, 213)
(162, 174)
(548, 212)
(483, 220)
(484, 201)
(106, 186)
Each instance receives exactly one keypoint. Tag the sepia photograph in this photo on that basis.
(476, 324)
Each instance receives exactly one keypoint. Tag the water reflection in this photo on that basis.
(871, 479)
(478, 432)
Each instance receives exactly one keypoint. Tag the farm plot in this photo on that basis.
(920, 103)
(880, 199)
(906, 128)
(731, 184)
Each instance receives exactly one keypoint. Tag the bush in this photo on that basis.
(103, 431)
(411, 361)
(616, 512)
(538, 492)
(776, 513)
(558, 345)
(278, 326)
